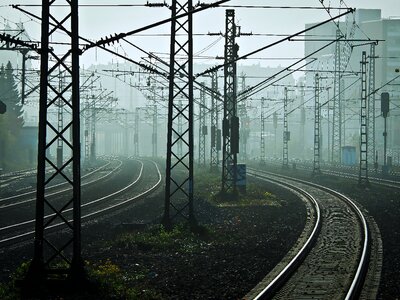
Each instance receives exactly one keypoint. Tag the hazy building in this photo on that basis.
(363, 25)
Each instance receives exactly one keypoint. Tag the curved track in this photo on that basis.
(332, 261)
(94, 206)
(350, 173)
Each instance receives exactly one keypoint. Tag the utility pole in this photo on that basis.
(262, 137)
(363, 172)
(58, 255)
(155, 127)
(215, 132)
(202, 127)
(87, 126)
(371, 106)
(275, 121)
(244, 121)
(230, 123)
(179, 166)
(93, 131)
(317, 127)
(286, 132)
(136, 134)
(337, 104)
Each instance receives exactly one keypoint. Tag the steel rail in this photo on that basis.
(88, 215)
(281, 278)
(362, 268)
(346, 174)
(58, 185)
(83, 205)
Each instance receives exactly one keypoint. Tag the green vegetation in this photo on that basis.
(113, 283)
(208, 186)
(9, 290)
(180, 238)
(106, 280)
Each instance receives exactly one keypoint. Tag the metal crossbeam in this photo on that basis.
(179, 163)
(363, 174)
(51, 252)
(230, 124)
(317, 124)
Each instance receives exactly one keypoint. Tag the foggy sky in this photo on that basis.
(96, 23)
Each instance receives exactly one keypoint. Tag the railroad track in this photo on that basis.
(351, 173)
(332, 257)
(91, 207)
(89, 178)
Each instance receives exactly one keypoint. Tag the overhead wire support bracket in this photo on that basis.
(117, 37)
(8, 39)
(350, 10)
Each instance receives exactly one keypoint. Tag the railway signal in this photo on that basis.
(385, 112)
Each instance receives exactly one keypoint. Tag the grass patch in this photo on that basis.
(208, 186)
(113, 283)
(10, 290)
(181, 238)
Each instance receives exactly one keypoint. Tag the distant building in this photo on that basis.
(368, 24)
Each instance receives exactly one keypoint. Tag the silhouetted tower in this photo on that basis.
(262, 134)
(215, 133)
(286, 132)
(87, 136)
(58, 255)
(371, 105)
(202, 127)
(363, 174)
(179, 165)
(230, 123)
(93, 131)
(317, 127)
(337, 103)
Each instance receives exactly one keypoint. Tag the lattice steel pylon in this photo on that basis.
(230, 123)
(363, 172)
(286, 133)
(58, 254)
(93, 132)
(371, 104)
(136, 134)
(262, 134)
(87, 128)
(202, 127)
(244, 122)
(155, 127)
(179, 166)
(337, 104)
(317, 127)
(214, 153)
